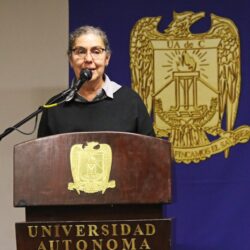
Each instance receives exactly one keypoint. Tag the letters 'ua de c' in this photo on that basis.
(190, 83)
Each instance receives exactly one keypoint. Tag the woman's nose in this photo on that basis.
(88, 56)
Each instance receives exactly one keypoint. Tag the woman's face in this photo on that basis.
(88, 53)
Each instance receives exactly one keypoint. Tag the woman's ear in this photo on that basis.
(107, 59)
(70, 61)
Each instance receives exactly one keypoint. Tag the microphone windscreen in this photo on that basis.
(85, 75)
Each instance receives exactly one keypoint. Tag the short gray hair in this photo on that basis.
(83, 30)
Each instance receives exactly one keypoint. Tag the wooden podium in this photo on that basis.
(98, 190)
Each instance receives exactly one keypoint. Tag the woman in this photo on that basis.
(100, 104)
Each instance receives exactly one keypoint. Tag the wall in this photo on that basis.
(33, 67)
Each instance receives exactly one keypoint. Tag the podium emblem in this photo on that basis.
(90, 167)
(190, 83)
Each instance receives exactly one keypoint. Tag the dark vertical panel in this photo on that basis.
(211, 199)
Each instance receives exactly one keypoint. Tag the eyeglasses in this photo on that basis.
(95, 52)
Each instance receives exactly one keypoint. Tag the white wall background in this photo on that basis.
(33, 67)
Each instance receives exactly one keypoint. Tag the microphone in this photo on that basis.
(85, 75)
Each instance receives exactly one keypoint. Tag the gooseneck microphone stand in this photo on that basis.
(68, 94)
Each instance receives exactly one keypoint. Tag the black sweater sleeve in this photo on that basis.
(144, 123)
(43, 129)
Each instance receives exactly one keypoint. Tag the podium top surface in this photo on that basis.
(92, 169)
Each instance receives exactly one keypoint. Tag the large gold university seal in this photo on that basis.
(90, 167)
(190, 83)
